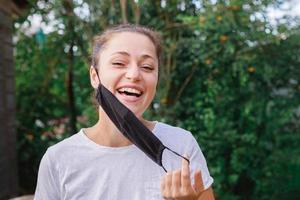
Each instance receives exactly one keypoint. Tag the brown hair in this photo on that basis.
(100, 40)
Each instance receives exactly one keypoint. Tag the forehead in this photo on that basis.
(130, 42)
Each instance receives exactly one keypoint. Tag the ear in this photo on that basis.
(94, 78)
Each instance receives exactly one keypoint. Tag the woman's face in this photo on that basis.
(128, 67)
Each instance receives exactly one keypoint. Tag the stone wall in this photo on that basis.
(8, 161)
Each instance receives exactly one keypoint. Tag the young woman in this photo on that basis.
(99, 162)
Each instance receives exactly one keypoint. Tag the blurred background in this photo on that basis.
(229, 74)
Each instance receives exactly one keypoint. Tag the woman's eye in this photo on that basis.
(147, 67)
(119, 64)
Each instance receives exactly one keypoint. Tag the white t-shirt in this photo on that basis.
(79, 169)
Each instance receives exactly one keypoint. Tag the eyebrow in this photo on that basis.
(122, 53)
(127, 54)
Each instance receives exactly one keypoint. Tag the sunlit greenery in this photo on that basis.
(228, 75)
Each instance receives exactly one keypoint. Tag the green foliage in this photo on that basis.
(227, 75)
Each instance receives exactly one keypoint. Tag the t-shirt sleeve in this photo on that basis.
(48, 183)
(198, 162)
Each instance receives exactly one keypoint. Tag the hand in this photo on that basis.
(177, 184)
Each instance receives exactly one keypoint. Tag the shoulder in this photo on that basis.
(165, 130)
(172, 135)
(65, 147)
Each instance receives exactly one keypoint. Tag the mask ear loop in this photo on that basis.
(97, 76)
(175, 154)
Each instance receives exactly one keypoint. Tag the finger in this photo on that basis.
(198, 186)
(185, 174)
(168, 186)
(176, 183)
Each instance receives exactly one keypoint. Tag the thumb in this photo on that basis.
(198, 185)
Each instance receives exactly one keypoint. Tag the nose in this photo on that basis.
(133, 72)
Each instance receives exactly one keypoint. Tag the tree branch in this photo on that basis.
(137, 11)
(124, 11)
(185, 83)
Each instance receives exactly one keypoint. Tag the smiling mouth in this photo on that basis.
(130, 92)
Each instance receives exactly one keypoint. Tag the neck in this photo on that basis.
(105, 133)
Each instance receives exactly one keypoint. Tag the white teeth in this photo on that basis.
(131, 90)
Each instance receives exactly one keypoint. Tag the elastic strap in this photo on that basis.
(97, 75)
(175, 154)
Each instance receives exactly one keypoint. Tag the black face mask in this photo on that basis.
(131, 127)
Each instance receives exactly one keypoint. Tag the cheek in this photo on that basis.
(151, 84)
(107, 77)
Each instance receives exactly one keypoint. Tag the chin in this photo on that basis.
(138, 114)
(134, 107)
